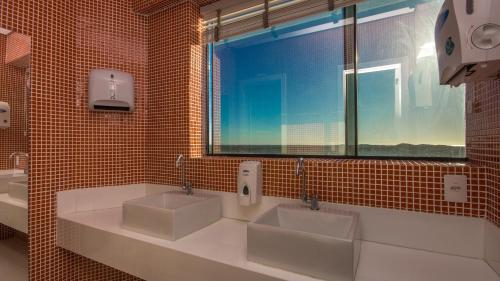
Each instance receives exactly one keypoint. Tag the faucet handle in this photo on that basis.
(188, 188)
(314, 202)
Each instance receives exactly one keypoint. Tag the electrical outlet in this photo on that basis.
(455, 188)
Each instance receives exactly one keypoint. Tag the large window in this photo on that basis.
(324, 87)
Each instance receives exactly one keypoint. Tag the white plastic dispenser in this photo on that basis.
(250, 183)
(111, 90)
(4, 115)
(467, 37)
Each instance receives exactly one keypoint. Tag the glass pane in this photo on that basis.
(279, 91)
(402, 109)
(382, 104)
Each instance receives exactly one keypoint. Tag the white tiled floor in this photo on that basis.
(13, 260)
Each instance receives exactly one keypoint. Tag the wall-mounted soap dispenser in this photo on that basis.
(250, 183)
(111, 90)
(4, 115)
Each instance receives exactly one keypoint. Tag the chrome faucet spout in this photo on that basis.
(299, 167)
(300, 171)
(179, 161)
(179, 164)
(20, 154)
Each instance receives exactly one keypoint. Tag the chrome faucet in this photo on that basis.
(179, 164)
(26, 159)
(300, 171)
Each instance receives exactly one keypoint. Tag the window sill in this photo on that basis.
(354, 159)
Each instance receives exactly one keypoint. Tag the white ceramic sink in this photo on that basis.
(7, 176)
(323, 244)
(171, 215)
(19, 190)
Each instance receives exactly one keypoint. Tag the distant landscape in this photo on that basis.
(400, 150)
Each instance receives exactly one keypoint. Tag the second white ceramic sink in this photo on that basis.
(19, 190)
(171, 215)
(323, 244)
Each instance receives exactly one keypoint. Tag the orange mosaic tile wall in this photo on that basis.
(148, 7)
(71, 147)
(74, 148)
(483, 138)
(405, 185)
(176, 84)
(12, 91)
(18, 49)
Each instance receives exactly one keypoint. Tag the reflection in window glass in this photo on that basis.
(289, 90)
(402, 109)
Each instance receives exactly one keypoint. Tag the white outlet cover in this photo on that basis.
(455, 188)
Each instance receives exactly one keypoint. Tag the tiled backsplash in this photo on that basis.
(483, 138)
(409, 185)
(72, 147)
(404, 185)
(175, 69)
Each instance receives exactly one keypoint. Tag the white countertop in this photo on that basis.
(11, 172)
(379, 262)
(225, 242)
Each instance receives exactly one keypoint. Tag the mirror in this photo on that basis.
(15, 89)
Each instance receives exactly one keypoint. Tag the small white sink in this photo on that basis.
(171, 215)
(8, 176)
(323, 244)
(19, 190)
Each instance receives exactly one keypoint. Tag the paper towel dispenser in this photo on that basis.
(4, 115)
(467, 35)
(111, 90)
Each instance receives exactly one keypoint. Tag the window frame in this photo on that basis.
(397, 72)
(350, 13)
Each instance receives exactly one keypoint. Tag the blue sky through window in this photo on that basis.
(285, 86)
